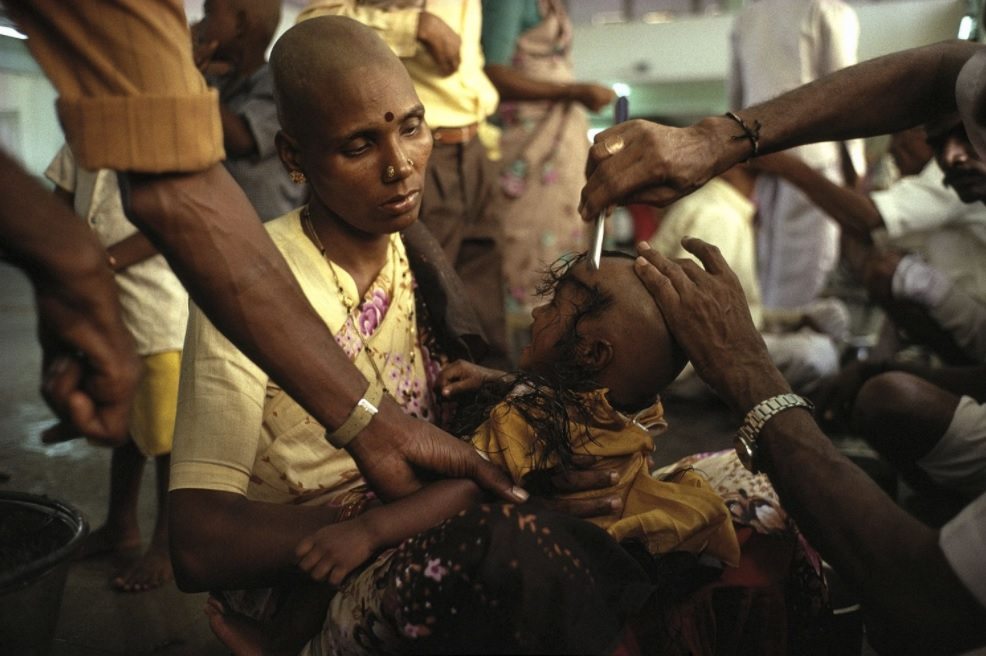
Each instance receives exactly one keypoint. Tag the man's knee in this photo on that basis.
(902, 415)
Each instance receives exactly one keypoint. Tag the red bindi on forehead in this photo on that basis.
(389, 116)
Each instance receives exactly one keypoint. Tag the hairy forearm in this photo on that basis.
(204, 523)
(878, 96)
(911, 595)
(434, 503)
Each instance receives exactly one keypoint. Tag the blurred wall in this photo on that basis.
(679, 68)
(674, 69)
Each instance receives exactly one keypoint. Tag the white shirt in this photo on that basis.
(778, 45)
(922, 214)
(963, 541)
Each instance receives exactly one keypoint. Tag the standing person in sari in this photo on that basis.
(527, 46)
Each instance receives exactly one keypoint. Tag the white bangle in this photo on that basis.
(745, 441)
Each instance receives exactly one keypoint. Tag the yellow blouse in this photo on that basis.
(680, 515)
(237, 431)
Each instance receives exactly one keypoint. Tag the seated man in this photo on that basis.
(722, 213)
(937, 293)
(928, 422)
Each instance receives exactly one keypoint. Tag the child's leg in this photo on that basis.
(120, 533)
(298, 620)
(154, 567)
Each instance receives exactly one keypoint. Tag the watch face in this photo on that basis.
(744, 451)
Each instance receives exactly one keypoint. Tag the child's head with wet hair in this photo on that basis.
(595, 329)
(603, 327)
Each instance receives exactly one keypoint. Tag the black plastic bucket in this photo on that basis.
(39, 537)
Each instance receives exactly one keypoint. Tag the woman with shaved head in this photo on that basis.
(495, 578)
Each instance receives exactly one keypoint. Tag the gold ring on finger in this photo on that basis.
(614, 145)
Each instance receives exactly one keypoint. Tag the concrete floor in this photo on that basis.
(95, 620)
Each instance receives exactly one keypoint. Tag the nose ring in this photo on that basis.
(390, 173)
(410, 162)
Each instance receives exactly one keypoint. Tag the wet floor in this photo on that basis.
(94, 620)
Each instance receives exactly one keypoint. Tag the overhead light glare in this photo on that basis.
(656, 17)
(621, 89)
(966, 26)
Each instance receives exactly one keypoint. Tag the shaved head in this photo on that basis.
(316, 59)
(645, 357)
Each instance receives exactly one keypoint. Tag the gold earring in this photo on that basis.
(298, 177)
(390, 173)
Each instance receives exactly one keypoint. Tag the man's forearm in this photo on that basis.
(910, 594)
(878, 96)
(231, 268)
(130, 251)
(853, 211)
(40, 233)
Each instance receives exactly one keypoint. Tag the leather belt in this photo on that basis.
(455, 135)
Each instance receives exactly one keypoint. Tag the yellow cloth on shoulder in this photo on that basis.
(684, 514)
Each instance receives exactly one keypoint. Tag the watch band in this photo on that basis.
(745, 441)
(360, 416)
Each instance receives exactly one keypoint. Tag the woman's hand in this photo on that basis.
(464, 376)
(333, 551)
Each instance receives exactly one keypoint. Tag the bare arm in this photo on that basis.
(237, 137)
(204, 522)
(334, 551)
(852, 210)
(659, 164)
(126, 252)
(913, 599)
(514, 85)
(130, 251)
(89, 365)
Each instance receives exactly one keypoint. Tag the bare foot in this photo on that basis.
(105, 540)
(241, 636)
(58, 433)
(151, 570)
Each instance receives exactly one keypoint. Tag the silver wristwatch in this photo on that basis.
(746, 437)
